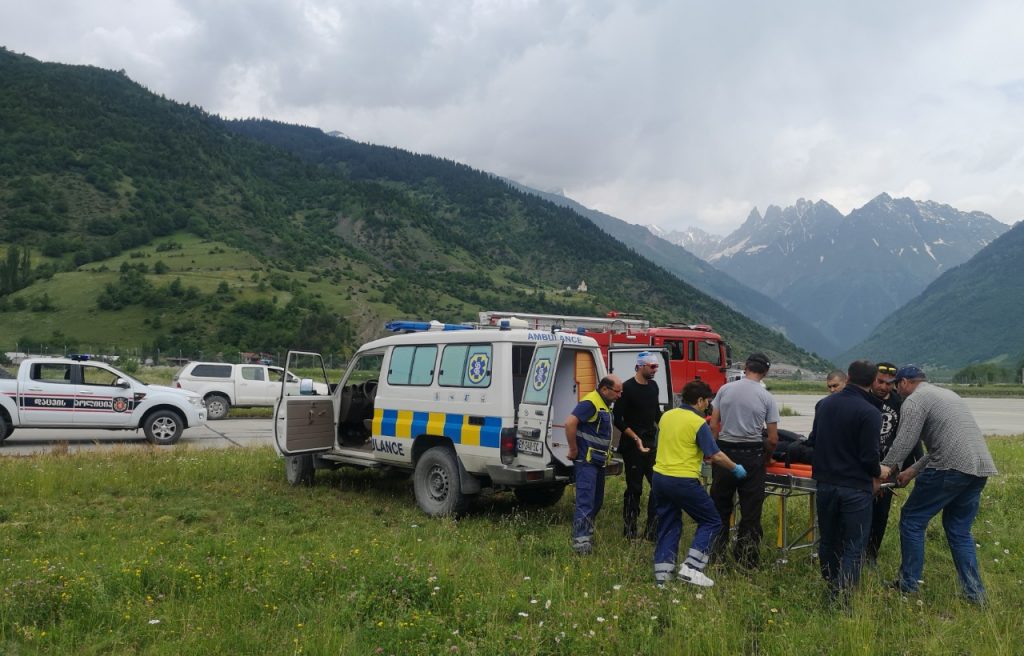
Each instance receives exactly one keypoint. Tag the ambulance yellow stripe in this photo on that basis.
(403, 426)
(470, 434)
(378, 419)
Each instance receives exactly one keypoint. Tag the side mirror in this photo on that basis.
(122, 383)
(306, 387)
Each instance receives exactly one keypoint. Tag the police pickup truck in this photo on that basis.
(77, 392)
(461, 409)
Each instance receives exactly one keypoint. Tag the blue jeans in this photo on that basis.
(844, 521)
(957, 495)
(673, 496)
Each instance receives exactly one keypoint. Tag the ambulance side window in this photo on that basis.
(465, 365)
(412, 365)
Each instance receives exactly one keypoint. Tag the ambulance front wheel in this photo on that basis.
(436, 483)
(299, 469)
(540, 497)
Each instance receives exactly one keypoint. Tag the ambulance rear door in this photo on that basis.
(622, 362)
(535, 408)
(304, 421)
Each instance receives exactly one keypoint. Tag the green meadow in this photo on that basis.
(178, 551)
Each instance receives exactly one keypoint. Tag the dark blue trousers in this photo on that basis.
(589, 497)
(673, 496)
(844, 521)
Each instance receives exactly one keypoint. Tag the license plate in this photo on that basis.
(531, 447)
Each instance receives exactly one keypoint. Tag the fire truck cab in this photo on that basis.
(696, 351)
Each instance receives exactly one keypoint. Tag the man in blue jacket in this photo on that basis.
(846, 471)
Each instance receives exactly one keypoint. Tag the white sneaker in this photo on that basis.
(694, 576)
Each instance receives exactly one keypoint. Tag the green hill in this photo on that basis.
(152, 224)
(971, 314)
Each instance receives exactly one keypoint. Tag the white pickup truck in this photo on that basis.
(223, 385)
(76, 392)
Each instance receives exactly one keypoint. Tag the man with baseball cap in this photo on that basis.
(636, 416)
(950, 477)
(743, 410)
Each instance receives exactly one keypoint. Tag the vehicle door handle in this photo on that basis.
(86, 392)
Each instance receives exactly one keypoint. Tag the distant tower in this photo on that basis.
(583, 287)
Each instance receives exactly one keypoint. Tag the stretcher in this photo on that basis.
(788, 481)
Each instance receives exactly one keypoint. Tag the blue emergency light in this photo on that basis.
(422, 326)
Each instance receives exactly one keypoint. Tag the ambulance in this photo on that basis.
(461, 408)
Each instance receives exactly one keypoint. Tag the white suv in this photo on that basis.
(223, 385)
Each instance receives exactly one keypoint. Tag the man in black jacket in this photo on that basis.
(846, 471)
(636, 416)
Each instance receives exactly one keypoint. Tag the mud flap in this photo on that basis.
(468, 483)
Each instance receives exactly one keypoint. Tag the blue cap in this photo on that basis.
(910, 372)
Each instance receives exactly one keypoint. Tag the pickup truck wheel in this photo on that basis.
(299, 469)
(163, 427)
(436, 483)
(5, 430)
(540, 497)
(217, 406)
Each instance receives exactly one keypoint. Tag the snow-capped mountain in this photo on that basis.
(700, 243)
(845, 274)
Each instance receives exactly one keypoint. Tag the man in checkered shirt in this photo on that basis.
(950, 478)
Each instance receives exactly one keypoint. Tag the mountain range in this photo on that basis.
(844, 274)
(702, 275)
(972, 313)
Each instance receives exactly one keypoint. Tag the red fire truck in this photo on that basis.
(695, 351)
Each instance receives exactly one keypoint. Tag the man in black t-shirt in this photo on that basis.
(636, 416)
(882, 387)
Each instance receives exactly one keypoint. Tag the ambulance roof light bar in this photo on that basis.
(422, 326)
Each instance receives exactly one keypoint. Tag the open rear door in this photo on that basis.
(535, 408)
(622, 362)
(304, 421)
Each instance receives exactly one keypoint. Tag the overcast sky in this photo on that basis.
(677, 113)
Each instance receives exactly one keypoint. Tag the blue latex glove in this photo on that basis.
(739, 471)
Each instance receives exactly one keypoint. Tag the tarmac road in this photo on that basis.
(221, 434)
(995, 416)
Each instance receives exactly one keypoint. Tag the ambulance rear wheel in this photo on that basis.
(299, 469)
(540, 497)
(436, 483)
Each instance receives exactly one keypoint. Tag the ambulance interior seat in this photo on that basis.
(355, 416)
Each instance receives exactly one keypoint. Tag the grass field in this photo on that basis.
(174, 551)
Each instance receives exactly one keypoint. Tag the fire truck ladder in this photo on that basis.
(615, 323)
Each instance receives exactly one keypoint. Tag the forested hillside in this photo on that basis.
(301, 239)
(972, 313)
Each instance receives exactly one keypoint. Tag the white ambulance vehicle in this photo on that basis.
(460, 408)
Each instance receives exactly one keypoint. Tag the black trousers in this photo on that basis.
(724, 489)
(879, 520)
(638, 466)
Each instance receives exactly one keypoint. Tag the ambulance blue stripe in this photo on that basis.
(490, 432)
(453, 427)
(388, 423)
(419, 423)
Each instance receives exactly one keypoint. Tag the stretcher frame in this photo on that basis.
(785, 484)
(788, 486)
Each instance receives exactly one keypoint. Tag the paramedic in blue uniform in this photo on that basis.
(589, 433)
(684, 440)
(636, 416)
